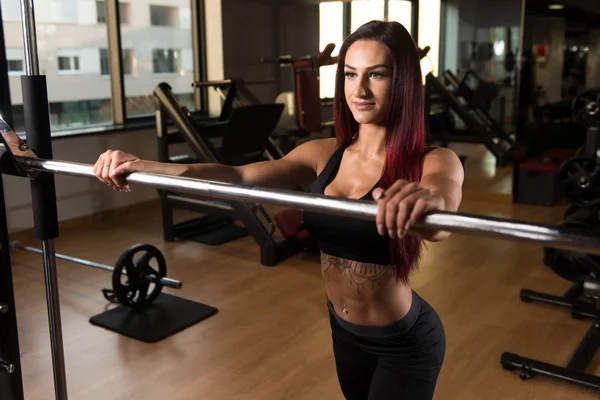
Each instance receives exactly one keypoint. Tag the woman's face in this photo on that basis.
(368, 81)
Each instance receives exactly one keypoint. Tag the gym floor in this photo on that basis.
(271, 338)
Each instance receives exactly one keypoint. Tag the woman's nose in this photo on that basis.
(360, 90)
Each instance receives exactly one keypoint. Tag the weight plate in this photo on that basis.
(580, 179)
(586, 107)
(571, 265)
(138, 288)
(560, 263)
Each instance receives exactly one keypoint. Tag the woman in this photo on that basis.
(387, 341)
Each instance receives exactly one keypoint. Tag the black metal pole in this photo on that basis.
(11, 377)
(43, 192)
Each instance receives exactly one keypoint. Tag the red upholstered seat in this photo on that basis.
(549, 161)
(288, 221)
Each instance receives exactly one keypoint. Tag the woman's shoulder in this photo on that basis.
(316, 151)
(320, 148)
(443, 152)
(441, 158)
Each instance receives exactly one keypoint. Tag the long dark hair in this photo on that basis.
(405, 139)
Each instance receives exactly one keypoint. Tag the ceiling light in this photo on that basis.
(556, 7)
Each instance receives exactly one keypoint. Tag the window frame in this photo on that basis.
(121, 121)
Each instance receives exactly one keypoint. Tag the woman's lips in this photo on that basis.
(363, 105)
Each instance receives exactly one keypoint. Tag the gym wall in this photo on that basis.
(474, 18)
(77, 197)
(593, 65)
(253, 30)
(548, 30)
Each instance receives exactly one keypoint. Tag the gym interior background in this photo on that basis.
(518, 64)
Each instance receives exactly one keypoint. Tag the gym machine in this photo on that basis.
(477, 96)
(218, 225)
(442, 103)
(303, 105)
(234, 92)
(580, 179)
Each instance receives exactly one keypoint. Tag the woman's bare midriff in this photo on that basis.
(364, 294)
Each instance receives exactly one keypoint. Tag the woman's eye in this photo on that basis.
(376, 75)
(350, 74)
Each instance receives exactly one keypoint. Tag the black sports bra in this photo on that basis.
(345, 237)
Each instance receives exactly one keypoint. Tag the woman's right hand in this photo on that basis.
(112, 167)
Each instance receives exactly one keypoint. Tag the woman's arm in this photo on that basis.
(404, 203)
(295, 168)
(443, 176)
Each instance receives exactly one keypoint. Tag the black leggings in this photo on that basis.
(398, 361)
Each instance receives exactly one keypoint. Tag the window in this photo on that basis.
(165, 61)
(16, 64)
(73, 52)
(128, 62)
(331, 30)
(124, 12)
(429, 34)
(11, 10)
(450, 38)
(160, 47)
(164, 16)
(364, 11)
(100, 12)
(77, 94)
(401, 11)
(68, 63)
(104, 62)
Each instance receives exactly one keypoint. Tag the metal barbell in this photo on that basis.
(506, 229)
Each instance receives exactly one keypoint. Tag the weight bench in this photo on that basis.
(245, 136)
(538, 177)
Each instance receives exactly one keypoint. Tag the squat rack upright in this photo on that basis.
(45, 214)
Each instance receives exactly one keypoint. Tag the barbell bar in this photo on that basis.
(168, 282)
(506, 229)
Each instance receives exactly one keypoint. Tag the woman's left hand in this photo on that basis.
(402, 205)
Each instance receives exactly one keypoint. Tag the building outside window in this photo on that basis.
(72, 51)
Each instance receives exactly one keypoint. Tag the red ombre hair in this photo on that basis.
(405, 138)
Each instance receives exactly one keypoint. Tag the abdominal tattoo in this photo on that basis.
(358, 273)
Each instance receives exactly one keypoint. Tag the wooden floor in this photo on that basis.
(271, 338)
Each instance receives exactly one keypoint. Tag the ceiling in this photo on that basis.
(580, 15)
(571, 6)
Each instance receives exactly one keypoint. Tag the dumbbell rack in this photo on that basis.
(586, 110)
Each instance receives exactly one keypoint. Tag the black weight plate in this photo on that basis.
(562, 266)
(580, 179)
(135, 291)
(582, 220)
(571, 265)
(586, 107)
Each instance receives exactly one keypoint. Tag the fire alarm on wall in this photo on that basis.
(540, 52)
